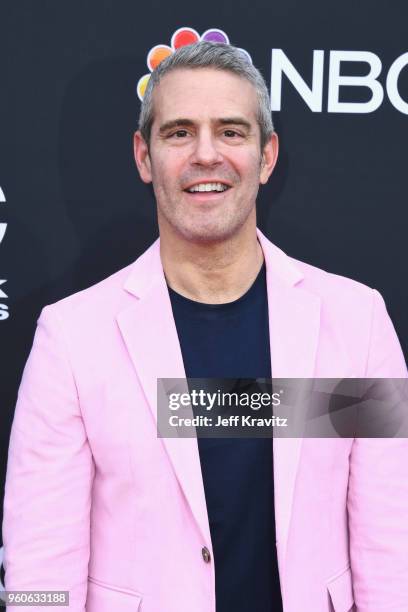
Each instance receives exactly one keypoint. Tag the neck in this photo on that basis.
(213, 273)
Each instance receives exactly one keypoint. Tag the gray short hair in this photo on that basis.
(210, 55)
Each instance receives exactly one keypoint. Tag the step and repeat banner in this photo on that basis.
(72, 207)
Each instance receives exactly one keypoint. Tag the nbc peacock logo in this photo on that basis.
(181, 37)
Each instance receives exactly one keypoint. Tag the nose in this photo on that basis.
(205, 151)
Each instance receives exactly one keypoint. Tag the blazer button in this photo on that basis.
(206, 554)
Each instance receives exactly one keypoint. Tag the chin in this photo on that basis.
(210, 228)
(207, 234)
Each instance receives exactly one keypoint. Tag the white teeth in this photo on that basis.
(208, 187)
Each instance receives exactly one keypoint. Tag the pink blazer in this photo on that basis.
(97, 505)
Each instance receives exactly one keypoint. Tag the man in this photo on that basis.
(96, 504)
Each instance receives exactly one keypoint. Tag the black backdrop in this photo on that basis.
(74, 206)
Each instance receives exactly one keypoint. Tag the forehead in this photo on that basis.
(203, 93)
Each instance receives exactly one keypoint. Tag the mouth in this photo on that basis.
(207, 190)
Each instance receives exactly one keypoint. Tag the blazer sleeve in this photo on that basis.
(378, 491)
(46, 519)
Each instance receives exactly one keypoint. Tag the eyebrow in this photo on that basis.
(169, 125)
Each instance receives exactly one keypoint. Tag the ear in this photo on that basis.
(142, 157)
(269, 158)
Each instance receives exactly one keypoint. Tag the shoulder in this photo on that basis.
(333, 286)
(103, 296)
(354, 319)
(346, 304)
(324, 284)
(107, 297)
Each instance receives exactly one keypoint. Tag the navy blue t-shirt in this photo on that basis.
(231, 340)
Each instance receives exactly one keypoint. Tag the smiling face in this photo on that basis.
(204, 157)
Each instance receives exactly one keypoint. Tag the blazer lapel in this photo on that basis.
(150, 334)
(294, 321)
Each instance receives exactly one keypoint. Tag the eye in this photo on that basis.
(231, 133)
(179, 134)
